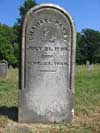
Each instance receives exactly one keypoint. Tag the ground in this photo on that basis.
(87, 105)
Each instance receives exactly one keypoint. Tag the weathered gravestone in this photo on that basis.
(47, 68)
(89, 66)
(3, 68)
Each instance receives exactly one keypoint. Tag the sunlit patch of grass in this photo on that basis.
(9, 89)
(87, 88)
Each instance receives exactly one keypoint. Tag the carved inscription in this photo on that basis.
(46, 32)
(35, 48)
(47, 63)
(47, 53)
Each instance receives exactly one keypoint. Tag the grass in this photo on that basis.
(9, 96)
(87, 89)
(87, 104)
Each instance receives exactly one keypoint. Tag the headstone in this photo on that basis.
(90, 67)
(47, 66)
(87, 63)
(3, 68)
(10, 67)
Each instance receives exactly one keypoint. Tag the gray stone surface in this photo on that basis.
(3, 68)
(48, 64)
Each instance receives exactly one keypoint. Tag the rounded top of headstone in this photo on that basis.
(3, 62)
(51, 6)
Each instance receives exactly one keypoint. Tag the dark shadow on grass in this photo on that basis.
(10, 112)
